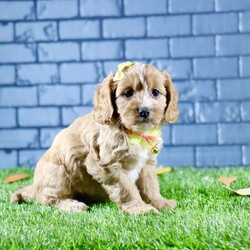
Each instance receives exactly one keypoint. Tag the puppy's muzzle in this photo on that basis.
(144, 113)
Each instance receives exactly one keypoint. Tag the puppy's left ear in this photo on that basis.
(103, 101)
(172, 112)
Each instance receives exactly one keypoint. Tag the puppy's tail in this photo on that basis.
(23, 194)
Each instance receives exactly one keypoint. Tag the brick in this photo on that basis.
(47, 136)
(7, 74)
(194, 134)
(59, 95)
(218, 156)
(38, 117)
(110, 66)
(237, 133)
(16, 53)
(7, 118)
(244, 21)
(37, 74)
(88, 92)
(102, 50)
(234, 89)
(89, 8)
(29, 158)
(178, 69)
(166, 135)
(215, 67)
(79, 72)
(69, 115)
(18, 138)
(79, 29)
(228, 5)
(207, 112)
(186, 113)
(17, 10)
(191, 46)
(245, 111)
(144, 7)
(16, 96)
(190, 6)
(56, 9)
(6, 32)
(246, 155)
(63, 51)
(122, 27)
(197, 91)
(8, 159)
(208, 23)
(245, 66)
(36, 31)
(169, 26)
(146, 48)
(176, 156)
(233, 44)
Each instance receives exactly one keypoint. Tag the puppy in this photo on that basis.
(110, 154)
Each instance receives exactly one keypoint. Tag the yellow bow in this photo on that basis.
(121, 68)
(146, 140)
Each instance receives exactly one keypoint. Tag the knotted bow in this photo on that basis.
(121, 68)
(146, 140)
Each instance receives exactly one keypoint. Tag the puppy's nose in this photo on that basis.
(144, 112)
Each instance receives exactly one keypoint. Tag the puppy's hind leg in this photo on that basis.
(55, 197)
(23, 194)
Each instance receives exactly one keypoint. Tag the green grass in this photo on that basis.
(208, 216)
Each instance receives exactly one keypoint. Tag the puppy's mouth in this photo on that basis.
(139, 122)
(143, 120)
(143, 124)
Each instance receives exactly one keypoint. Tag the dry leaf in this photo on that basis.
(227, 180)
(243, 191)
(15, 177)
(163, 170)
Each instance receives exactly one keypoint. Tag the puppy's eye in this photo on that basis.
(128, 93)
(155, 92)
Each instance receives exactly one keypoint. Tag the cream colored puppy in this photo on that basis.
(110, 154)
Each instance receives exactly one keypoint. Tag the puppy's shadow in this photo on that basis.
(90, 201)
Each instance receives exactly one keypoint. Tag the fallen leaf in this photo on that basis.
(15, 177)
(243, 191)
(163, 170)
(227, 180)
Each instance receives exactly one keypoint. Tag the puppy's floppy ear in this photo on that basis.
(103, 101)
(172, 112)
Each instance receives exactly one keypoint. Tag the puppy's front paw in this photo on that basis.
(162, 203)
(137, 208)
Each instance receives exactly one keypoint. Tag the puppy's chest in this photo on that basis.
(138, 159)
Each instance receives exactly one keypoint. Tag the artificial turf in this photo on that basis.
(208, 216)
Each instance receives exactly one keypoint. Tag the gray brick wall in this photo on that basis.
(53, 53)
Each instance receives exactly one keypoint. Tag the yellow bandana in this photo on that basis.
(146, 140)
(121, 68)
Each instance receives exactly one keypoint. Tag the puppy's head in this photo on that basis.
(141, 100)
